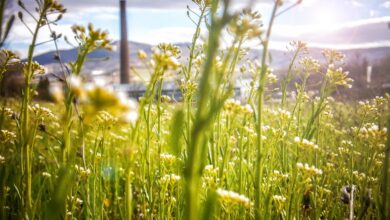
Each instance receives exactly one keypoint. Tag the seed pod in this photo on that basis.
(58, 18)
(56, 56)
(345, 194)
(306, 200)
(20, 15)
(42, 127)
(14, 116)
(21, 4)
(368, 197)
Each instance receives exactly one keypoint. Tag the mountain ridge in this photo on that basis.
(280, 58)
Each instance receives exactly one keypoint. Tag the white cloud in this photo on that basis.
(374, 13)
(21, 36)
(352, 46)
(384, 19)
(133, 3)
(385, 4)
(99, 11)
(283, 32)
(157, 4)
(356, 3)
(282, 45)
(167, 35)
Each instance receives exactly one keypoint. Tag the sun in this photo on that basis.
(325, 20)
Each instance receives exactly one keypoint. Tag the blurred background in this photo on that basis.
(358, 28)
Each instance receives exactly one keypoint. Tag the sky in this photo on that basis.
(339, 24)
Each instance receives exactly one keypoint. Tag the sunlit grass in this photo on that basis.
(95, 154)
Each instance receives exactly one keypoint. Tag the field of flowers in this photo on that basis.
(93, 153)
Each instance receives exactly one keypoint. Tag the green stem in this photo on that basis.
(69, 102)
(288, 79)
(159, 120)
(189, 73)
(259, 118)
(194, 163)
(129, 196)
(26, 137)
(385, 186)
(194, 40)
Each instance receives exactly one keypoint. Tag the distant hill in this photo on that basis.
(108, 61)
(104, 60)
(281, 59)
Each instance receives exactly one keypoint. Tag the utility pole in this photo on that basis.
(369, 74)
(124, 47)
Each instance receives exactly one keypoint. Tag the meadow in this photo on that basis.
(93, 153)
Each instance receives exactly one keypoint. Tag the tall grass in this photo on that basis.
(94, 153)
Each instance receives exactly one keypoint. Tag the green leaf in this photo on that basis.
(177, 128)
(8, 27)
(56, 207)
(270, 57)
(210, 205)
